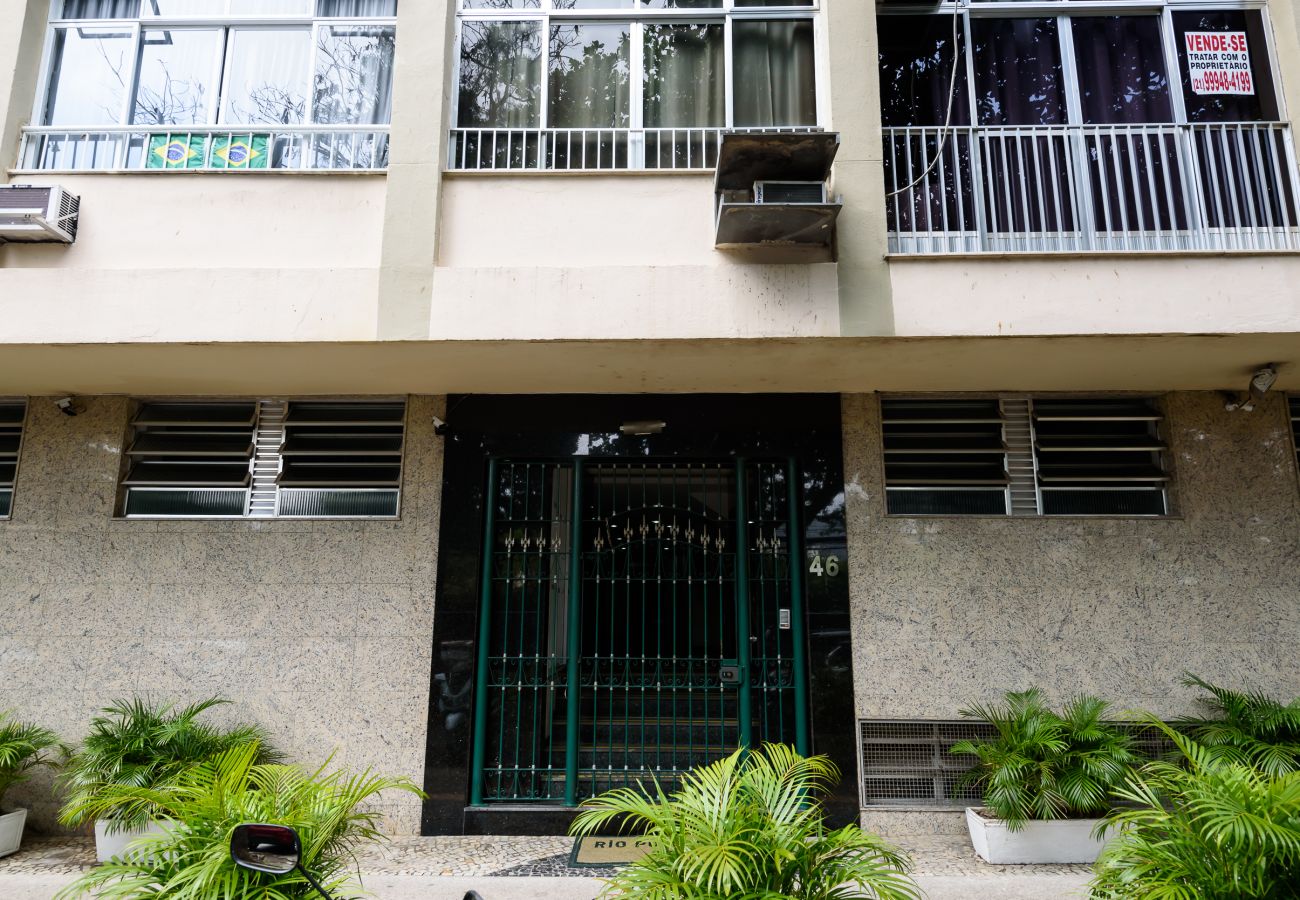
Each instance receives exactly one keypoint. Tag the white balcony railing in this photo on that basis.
(1092, 188)
(589, 149)
(205, 149)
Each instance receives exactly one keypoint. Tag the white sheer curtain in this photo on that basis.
(589, 86)
(356, 8)
(354, 75)
(685, 76)
(775, 74)
(268, 76)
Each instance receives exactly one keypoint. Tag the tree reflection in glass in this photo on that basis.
(500, 74)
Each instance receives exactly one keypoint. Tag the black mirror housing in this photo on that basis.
(274, 849)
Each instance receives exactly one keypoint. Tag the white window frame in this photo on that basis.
(637, 15)
(1065, 10)
(227, 24)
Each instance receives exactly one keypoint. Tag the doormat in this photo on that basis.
(593, 850)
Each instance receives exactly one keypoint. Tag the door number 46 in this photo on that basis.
(830, 568)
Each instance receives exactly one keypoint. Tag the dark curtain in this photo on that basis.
(916, 56)
(100, 9)
(1257, 107)
(1017, 72)
(1121, 63)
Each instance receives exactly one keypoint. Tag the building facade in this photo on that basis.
(475, 389)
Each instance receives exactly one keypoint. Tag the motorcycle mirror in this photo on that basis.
(265, 848)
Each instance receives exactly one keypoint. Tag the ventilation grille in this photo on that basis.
(944, 456)
(342, 458)
(789, 192)
(190, 459)
(1019, 434)
(1099, 457)
(21, 196)
(911, 763)
(12, 415)
(69, 214)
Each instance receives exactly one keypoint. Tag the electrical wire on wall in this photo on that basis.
(952, 94)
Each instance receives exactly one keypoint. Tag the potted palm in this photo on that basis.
(332, 811)
(1205, 825)
(138, 743)
(23, 747)
(1047, 778)
(750, 825)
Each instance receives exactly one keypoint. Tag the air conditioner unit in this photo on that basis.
(33, 214)
(789, 192)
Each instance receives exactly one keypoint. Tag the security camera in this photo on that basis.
(69, 406)
(440, 428)
(1260, 382)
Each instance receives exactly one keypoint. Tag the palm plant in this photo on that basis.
(747, 826)
(192, 857)
(1205, 826)
(1251, 728)
(142, 744)
(23, 747)
(1045, 765)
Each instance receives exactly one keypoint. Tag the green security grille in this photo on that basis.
(632, 640)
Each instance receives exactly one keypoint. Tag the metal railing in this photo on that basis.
(589, 149)
(1080, 188)
(135, 148)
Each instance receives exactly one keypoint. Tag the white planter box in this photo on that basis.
(11, 831)
(1058, 841)
(108, 845)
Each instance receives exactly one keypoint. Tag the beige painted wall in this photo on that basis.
(1125, 295)
(319, 630)
(947, 611)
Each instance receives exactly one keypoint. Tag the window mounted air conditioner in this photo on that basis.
(35, 214)
(790, 192)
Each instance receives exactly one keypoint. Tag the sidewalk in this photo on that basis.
(532, 868)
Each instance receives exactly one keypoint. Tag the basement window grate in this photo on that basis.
(13, 413)
(911, 763)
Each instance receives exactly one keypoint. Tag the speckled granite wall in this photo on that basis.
(952, 610)
(320, 630)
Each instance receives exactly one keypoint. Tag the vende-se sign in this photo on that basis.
(1219, 62)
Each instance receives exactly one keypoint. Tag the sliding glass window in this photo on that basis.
(626, 83)
(275, 69)
(1026, 125)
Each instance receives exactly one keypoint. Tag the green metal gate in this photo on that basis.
(621, 635)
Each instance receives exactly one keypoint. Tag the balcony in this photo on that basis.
(1092, 188)
(133, 148)
(591, 149)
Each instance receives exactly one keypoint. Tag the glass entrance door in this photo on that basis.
(658, 628)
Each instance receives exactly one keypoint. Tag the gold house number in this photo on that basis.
(830, 569)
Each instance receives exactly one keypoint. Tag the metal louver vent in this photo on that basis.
(944, 456)
(264, 496)
(911, 763)
(12, 415)
(189, 458)
(1099, 456)
(342, 458)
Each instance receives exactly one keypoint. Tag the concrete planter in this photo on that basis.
(1058, 841)
(109, 845)
(11, 831)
